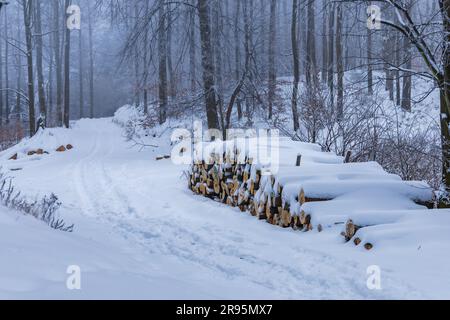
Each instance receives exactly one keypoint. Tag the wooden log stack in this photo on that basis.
(283, 199)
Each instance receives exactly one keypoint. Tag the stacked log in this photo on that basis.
(246, 187)
(281, 199)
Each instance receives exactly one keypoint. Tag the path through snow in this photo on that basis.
(187, 246)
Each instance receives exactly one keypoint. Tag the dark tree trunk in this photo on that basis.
(217, 42)
(340, 64)
(1, 81)
(7, 104)
(445, 98)
(67, 71)
(311, 64)
(324, 45)
(162, 53)
(81, 73)
(407, 81)
(192, 51)
(369, 61)
(145, 61)
(237, 54)
(39, 66)
(170, 68)
(398, 96)
(27, 14)
(272, 44)
(331, 49)
(58, 62)
(295, 54)
(91, 64)
(207, 64)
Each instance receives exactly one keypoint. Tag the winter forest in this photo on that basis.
(92, 91)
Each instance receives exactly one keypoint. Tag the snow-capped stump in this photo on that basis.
(368, 246)
(61, 149)
(14, 157)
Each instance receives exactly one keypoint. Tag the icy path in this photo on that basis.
(186, 246)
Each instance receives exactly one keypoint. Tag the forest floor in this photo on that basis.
(140, 233)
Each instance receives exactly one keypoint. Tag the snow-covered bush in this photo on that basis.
(44, 209)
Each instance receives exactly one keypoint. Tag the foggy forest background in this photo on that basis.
(314, 69)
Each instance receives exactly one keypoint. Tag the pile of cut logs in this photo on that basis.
(239, 186)
(265, 196)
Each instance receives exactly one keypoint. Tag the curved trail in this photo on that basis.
(225, 253)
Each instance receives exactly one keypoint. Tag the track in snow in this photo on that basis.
(196, 240)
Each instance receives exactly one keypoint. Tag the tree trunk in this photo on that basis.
(50, 108)
(7, 105)
(1, 79)
(369, 61)
(81, 72)
(237, 54)
(145, 61)
(137, 88)
(27, 14)
(324, 45)
(217, 42)
(170, 68)
(162, 53)
(272, 44)
(397, 73)
(18, 107)
(67, 71)
(207, 64)
(445, 99)
(295, 54)
(331, 49)
(248, 48)
(311, 64)
(407, 81)
(91, 64)
(340, 64)
(192, 51)
(58, 61)
(39, 66)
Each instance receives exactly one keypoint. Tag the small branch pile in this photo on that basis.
(44, 209)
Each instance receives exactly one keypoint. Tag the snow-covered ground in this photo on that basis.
(140, 233)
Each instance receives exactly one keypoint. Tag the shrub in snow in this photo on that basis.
(44, 209)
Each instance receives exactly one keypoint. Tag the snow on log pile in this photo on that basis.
(305, 188)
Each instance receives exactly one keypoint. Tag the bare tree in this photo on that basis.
(208, 64)
(339, 63)
(67, 70)
(295, 54)
(27, 18)
(58, 62)
(162, 52)
(272, 45)
(42, 121)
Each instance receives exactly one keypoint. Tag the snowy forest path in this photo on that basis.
(222, 252)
